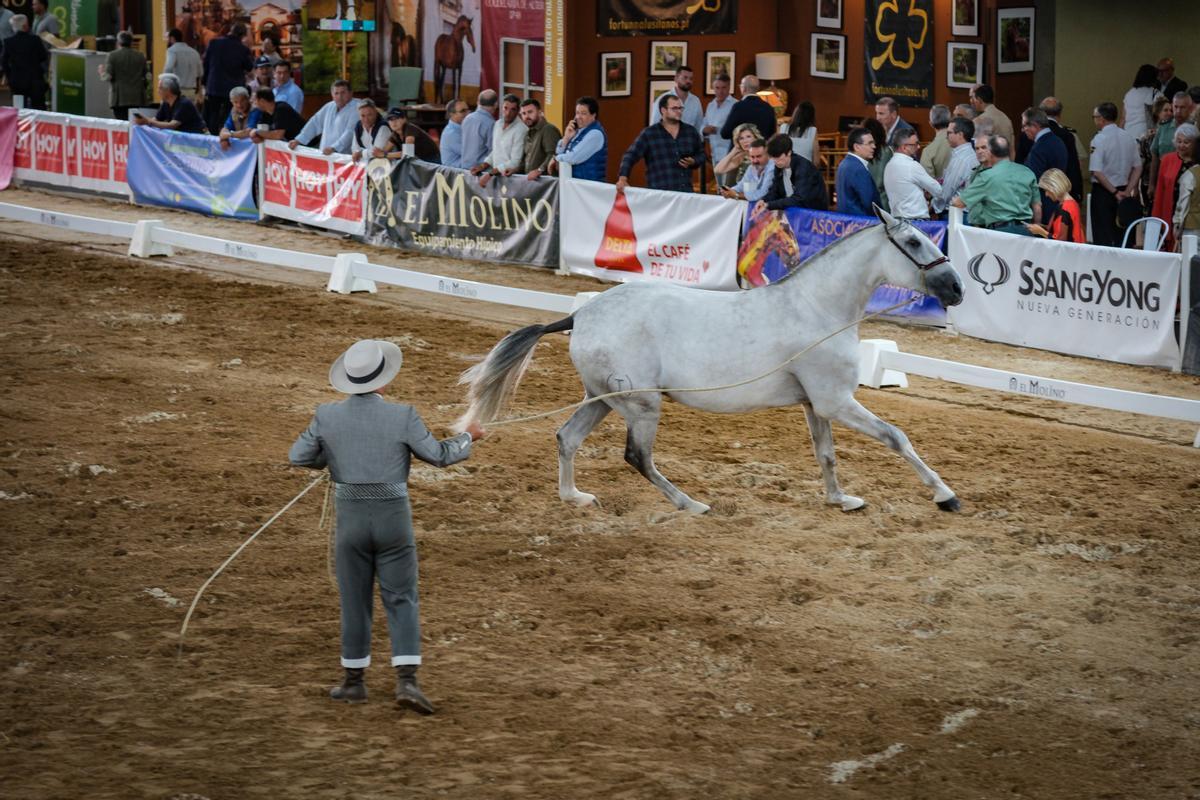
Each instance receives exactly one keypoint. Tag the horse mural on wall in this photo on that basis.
(448, 55)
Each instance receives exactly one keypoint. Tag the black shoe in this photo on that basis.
(408, 694)
(352, 690)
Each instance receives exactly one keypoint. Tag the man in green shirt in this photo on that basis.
(1004, 196)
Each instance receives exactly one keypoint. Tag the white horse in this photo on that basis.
(659, 336)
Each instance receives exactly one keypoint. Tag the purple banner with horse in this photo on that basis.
(775, 243)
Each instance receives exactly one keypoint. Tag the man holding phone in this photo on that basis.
(175, 113)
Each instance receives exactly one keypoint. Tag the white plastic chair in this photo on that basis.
(1155, 233)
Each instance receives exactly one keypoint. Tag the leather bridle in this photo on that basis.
(923, 267)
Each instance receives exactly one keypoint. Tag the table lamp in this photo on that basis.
(774, 67)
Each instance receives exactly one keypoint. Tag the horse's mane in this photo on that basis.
(821, 252)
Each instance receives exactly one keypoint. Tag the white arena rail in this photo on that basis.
(880, 362)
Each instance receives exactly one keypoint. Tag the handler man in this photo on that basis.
(368, 444)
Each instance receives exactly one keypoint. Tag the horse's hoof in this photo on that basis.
(850, 503)
(696, 508)
(951, 504)
(583, 500)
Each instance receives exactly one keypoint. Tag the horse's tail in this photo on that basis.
(492, 382)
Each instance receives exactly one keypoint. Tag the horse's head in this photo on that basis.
(463, 28)
(917, 263)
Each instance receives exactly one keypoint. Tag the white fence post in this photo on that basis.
(871, 371)
(564, 175)
(1189, 248)
(343, 280)
(143, 245)
(954, 221)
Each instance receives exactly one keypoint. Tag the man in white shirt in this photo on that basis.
(1115, 168)
(963, 161)
(334, 122)
(184, 62)
(693, 112)
(508, 143)
(714, 118)
(906, 181)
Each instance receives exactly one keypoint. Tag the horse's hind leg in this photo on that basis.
(641, 419)
(822, 437)
(854, 416)
(570, 436)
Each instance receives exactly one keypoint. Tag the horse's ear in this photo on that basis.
(884, 217)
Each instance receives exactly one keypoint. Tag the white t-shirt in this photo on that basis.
(803, 145)
(1137, 110)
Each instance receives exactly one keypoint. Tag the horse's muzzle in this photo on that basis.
(944, 284)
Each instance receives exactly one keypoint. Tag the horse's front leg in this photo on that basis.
(854, 416)
(822, 437)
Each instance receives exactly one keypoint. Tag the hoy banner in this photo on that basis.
(433, 209)
(687, 239)
(307, 186)
(1099, 302)
(665, 17)
(899, 51)
(62, 151)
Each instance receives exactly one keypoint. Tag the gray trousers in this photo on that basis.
(375, 539)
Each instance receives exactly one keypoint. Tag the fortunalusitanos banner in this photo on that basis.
(899, 51)
(665, 17)
(444, 211)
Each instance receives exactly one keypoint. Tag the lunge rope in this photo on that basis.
(187, 618)
(626, 392)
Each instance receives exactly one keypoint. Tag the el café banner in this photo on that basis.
(899, 51)
(443, 211)
(665, 17)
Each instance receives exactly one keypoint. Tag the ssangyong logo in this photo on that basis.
(989, 286)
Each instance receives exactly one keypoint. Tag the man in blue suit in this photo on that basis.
(856, 190)
(1047, 152)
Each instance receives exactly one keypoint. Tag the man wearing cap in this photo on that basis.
(368, 443)
(262, 75)
(403, 132)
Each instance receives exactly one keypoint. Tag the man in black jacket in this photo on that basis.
(226, 62)
(25, 63)
(797, 183)
(751, 108)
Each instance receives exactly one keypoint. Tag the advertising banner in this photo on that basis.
(435, 209)
(85, 154)
(506, 20)
(682, 238)
(1099, 302)
(665, 17)
(8, 143)
(193, 171)
(899, 51)
(774, 243)
(304, 185)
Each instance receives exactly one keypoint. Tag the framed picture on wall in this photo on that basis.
(666, 57)
(657, 90)
(614, 74)
(829, 14)
(717, 62)
(828, 56)
(965, 21)
(964, 65)
(1014, 39)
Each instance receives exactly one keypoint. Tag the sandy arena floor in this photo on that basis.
(1043, 643)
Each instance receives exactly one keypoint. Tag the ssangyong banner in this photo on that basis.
(1100, 302)
(304, 185)
(433, 209)
(61, 151)
(644, 233)
(776, 242)
(193, 171)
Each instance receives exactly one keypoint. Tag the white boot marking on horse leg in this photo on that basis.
(641, 419)
(822, 438)
(570, 436)
(854, 416)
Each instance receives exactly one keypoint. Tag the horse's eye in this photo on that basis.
(912, 242)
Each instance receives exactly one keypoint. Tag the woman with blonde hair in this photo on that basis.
(738, 159)
(1066, 225)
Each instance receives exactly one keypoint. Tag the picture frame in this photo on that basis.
(829, 14)
(965, 18)
(615, 69)
(828, 59)
(717, 62)
(964, 65)
(666, 57)
(657, 90)
(1014, 39)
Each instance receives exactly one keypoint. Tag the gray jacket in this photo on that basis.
(366, 439)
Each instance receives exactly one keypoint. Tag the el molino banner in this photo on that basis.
(899, 51)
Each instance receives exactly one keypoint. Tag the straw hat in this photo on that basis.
(367, 366)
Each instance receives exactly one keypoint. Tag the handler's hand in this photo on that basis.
(476, 431)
